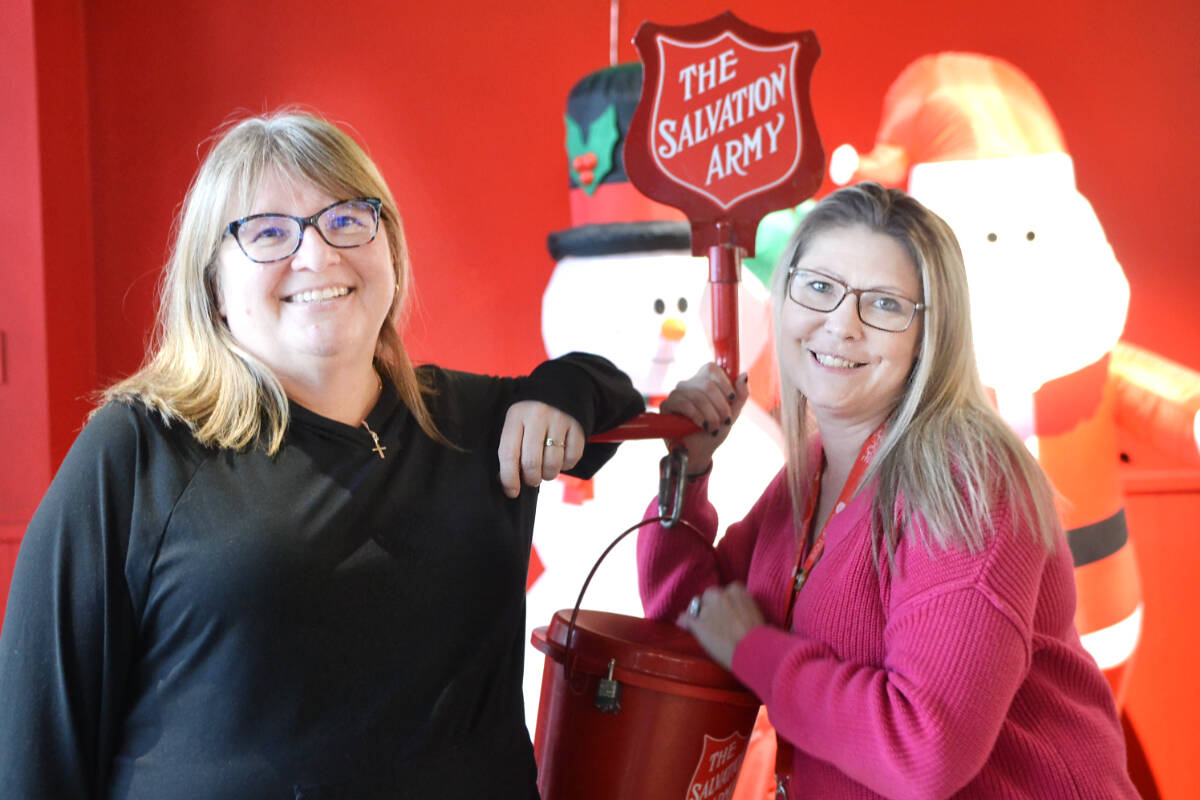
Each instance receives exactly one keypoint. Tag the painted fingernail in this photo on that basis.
(732, 395)
(729, 420)
(705, 424)
(714, 433)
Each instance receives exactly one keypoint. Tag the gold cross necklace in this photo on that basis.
(378, 448)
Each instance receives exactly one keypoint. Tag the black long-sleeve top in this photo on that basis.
(187, 622)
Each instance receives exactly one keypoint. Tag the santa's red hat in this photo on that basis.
(953, 107)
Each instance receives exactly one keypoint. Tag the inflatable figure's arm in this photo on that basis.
(1158, 400)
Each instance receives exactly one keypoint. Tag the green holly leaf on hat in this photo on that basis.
(591, 160)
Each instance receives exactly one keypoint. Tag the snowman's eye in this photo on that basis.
(659, 306)
(1029, 237)
(992, 237)
(682, 305)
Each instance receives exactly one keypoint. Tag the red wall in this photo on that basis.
(46, 310)
(461, 103)
(24, 415)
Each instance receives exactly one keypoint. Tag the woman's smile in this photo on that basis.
(836, 362)
(311, 296)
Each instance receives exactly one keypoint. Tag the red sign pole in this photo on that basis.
(724, 272)
(724, 131)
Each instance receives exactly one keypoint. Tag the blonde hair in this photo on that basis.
(195, 371)
(946, 452)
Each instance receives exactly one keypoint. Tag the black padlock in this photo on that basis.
(608, 692)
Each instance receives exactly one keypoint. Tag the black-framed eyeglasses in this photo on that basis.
(881, 310)
(269, 237)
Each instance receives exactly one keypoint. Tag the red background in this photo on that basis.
(461, 104)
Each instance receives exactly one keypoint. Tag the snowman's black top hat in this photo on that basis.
(608, 215)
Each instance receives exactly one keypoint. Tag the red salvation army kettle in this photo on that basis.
(634, 709)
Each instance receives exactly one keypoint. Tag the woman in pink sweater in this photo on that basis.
(901, 596)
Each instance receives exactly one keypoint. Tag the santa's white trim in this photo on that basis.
(1112, 646)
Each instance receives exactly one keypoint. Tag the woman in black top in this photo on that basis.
(280, 561)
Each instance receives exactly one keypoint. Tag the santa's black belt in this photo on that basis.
(1098, 540)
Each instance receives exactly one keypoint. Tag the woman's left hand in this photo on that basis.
(537, 443)
(726, 614)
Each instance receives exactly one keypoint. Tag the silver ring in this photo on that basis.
(694, 607)
(554, 443)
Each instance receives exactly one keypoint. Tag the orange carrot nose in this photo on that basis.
(673, 329)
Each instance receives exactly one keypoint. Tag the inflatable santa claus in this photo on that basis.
(972, 138)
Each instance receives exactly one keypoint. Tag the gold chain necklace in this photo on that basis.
(378, 448)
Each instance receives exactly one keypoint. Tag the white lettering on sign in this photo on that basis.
(726, 754)
(719, 787)
(708, 74)
(716, 772)
(737, 155)
(726, 111)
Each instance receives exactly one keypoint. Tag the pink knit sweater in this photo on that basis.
(953, 675)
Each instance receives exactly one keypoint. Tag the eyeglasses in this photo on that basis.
(269, 237)
(881, 310)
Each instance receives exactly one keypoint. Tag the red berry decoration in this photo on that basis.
(584, 162)
(590, 157)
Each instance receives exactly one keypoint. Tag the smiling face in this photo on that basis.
(316, 311)
(851, 374)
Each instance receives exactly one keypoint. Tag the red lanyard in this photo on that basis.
(806, 559)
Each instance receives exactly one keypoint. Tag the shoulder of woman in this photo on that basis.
(429, 373)
(120, 424)
(441, 379)
(465, 405)
(1009, 562)
(126, 459)
(126, 430)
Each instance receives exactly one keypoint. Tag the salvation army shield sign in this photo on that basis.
(731, 127)
(724, 130)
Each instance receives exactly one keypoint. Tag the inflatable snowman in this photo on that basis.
(972, 138)
(626, 286)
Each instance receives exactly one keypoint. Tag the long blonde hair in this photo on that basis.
(946, 451)
(196, 372)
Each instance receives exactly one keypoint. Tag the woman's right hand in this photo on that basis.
(713, 402)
